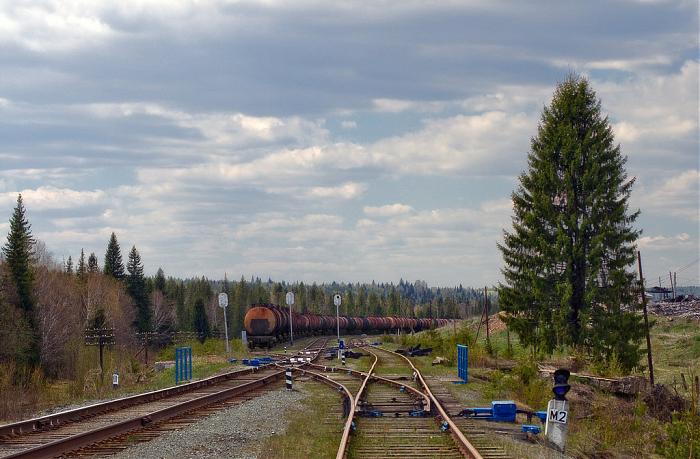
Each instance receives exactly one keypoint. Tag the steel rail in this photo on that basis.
(464, 445)
(345, 438)
(374, 377)
(74, 442)
(77, 414)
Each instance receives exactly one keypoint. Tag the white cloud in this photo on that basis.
(665, 242)
(348, 124)
(348, 190)
(48, 197)
(389, 210)
(678, 196)
(653, 113)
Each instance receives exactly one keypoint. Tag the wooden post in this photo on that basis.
(486, 313)
(673, 287)
(646, 319)
(675, 284)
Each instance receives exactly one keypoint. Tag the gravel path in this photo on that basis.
(235, 433)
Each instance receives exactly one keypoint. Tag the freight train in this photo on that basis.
(267, 324)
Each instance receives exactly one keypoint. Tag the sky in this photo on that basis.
(319, 141)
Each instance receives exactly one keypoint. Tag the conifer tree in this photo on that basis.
(93, 266)
(114, 266)
(82, 267)
(69, 265)
(136, 287)
(568, 258)
(19, 256)
(159, 282)
(201, 323)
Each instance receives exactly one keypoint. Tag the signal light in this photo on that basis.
(561, 384)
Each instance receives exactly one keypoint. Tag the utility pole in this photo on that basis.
(673, 286)
(674, 283)
(486, 312)
(646, 318)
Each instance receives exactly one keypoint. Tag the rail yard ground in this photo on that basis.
(603, 424)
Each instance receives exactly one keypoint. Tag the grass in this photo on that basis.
(314, 427)
(676, 348)
(39, 394)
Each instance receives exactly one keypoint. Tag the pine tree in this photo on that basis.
(82, 267)
(136, 287)
(19, 256)
(159, 282)
(114, 266)
(201, 323)
(567, 257)
(93, 266)
(69, 265)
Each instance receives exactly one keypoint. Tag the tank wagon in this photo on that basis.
(267, 324)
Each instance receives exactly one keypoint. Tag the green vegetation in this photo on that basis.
(19, 256)
(114, 266)
(303, 439)
(568, 258)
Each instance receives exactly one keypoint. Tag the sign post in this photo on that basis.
(289, 299)
(336, 302)
(223, 302)
(556, 426)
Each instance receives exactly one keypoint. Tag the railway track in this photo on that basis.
(108, 427)
(392, 415)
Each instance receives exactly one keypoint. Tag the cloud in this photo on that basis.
(347, 124)
(48, 197)
(348, 190)
(389, 210)
(678, 196)
(665, 242)
(656, 114)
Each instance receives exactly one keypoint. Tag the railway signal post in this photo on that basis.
(336, 302)
(289, 299)
(556, 426)
(223, 302)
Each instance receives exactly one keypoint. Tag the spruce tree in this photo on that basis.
(568, 257)
(93, 266)
(69, 265)
(19, 256)
(159, 281)
(136, 287)
(201, 323)
(114, 266)
(82, 267)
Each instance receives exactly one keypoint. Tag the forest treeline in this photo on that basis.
(46, 305)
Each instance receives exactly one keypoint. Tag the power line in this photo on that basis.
(688, 265)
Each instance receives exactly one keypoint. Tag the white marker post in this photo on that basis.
(556, 426)
(336, 302)
(223, 302)
(289, 299)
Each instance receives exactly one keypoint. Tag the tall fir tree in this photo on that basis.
(19, 256)
(136, 287)
(568, 258)
(159, 281)
(201, 323)
(81, 270)
(93, 266)
(69, 265)
(114, 266)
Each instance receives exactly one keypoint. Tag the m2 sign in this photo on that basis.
(559, 416)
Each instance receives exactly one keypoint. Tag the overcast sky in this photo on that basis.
(330, 140)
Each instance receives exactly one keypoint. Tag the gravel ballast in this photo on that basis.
(236, 432)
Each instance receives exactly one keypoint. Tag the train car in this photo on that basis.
(267, 324)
